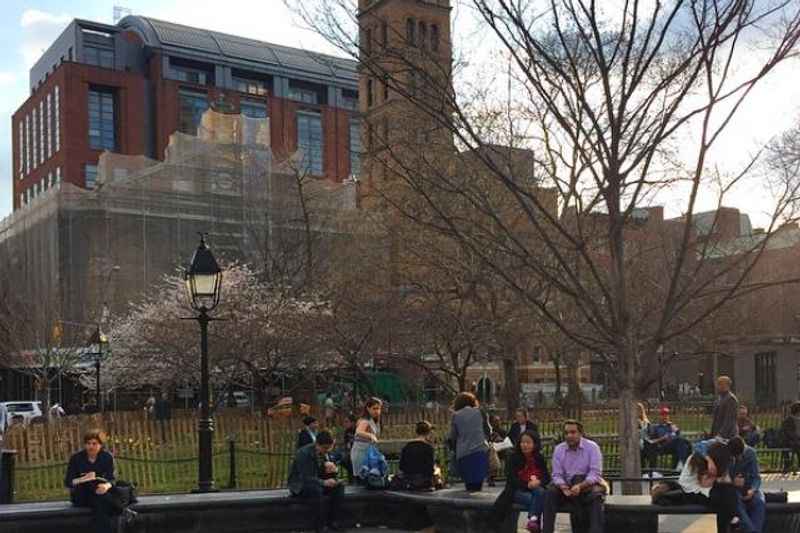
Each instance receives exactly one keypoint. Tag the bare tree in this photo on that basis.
(620, 107)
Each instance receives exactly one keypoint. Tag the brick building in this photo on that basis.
(126, 88)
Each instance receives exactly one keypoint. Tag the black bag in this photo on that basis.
(123, 495)
(667, 493)
(776, 497)
(772, 438)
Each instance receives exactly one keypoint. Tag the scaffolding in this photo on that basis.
(96, 250)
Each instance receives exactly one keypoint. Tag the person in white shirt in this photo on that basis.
(705, 481)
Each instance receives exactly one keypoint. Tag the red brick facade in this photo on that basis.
(131, 121)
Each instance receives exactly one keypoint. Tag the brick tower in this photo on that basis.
(404, 85)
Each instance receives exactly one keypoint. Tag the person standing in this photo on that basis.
(89, 476)
(746, 476)
(312, 476)
(527, 477)
(726, 407)
(163, 413)
(577, 475)
(367, 433)
(468, 431)
(330, 410)
(308, 434)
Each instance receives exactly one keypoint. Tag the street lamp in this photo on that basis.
(100, 344)
(203, 283)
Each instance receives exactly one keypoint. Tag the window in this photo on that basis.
(101, 119)
(765, 378)
(90, 176)
(355, 148)
(349, 99)
(435, 37)
(386, 88)
(306, 96)
(192, 107)
(370, 137)
(57, 120)
(21, 199)
(28, 143)
(410, 29)
(49, 122)
(250, 86)
(370, 93)
(101, 57)
(309, 141)
(385, 35)
(423, 35)
(42, 128)
(253, 109)
(58, 174)
(191, 71)
(21, 138)
(412, 83)
(368, 41)
(35, 155)
(46, 182)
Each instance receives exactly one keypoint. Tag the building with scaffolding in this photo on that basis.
(126, 88)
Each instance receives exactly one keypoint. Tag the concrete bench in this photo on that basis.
(451, 510)
(220, 512)
(639, 514)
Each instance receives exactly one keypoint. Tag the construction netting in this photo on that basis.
(96, 250)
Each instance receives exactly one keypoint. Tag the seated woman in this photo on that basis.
(89, 476)
(526, 479)
(417, 463)
(705, 481)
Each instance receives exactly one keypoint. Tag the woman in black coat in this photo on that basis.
(89, 478)
(526, 480)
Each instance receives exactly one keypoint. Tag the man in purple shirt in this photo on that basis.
(577, 481)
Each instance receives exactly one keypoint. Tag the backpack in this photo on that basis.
(123, 495)
(375, 470)
(772, 438)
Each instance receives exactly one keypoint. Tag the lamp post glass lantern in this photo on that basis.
(99, 344)
(203, 285)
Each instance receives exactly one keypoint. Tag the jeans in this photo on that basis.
(325, 503)
(533, 500)
(752, 513)
(679, 448)
(587, 506)
(102, 508)
(722, 500)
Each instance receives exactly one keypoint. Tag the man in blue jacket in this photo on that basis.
(313, 477)
(746, 478)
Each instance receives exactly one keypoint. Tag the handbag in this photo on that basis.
(123, 495)
(505, 444)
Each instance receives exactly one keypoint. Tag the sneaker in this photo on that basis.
(533, 525)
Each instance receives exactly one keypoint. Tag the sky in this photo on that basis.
(28, 27)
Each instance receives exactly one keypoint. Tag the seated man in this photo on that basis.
(748, 430)
(313, 477)
(577, 480)
(308, 434)
(790, 436)
(521, 425)
(746, 476)
(665, 438)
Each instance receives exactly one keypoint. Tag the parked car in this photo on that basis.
(28, 411)
(241, 399)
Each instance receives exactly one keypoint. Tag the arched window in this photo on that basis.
(410, 32)
(423, 34)
(435, 37)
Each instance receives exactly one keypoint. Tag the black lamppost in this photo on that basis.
(203, 283)
(100, 344)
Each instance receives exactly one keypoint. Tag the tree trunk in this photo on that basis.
(557, 366)
(629, 441)
(512, 385)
